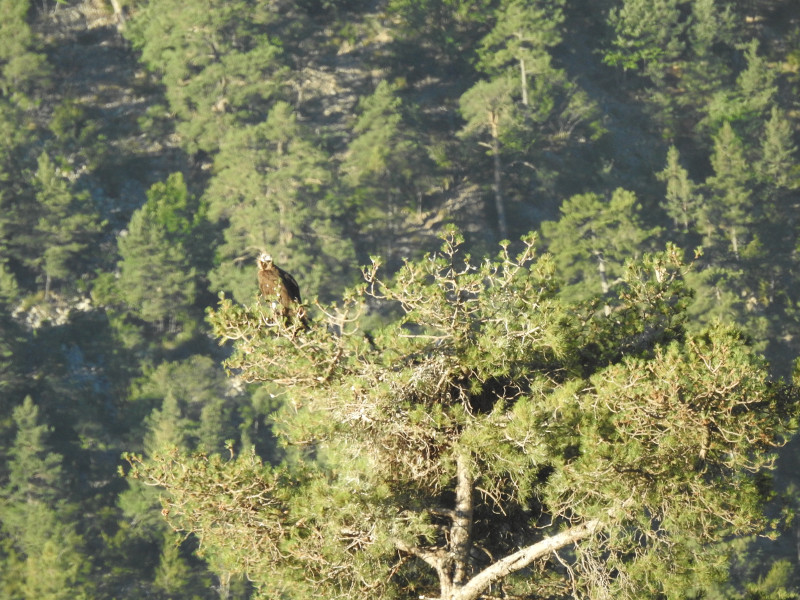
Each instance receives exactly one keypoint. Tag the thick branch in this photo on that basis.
(522, 558)
(451, 563)
(433, 558)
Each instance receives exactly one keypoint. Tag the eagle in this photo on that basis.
(280, 289)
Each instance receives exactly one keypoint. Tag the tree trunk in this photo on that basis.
(734, 242)
(461, 528)
(498, 192)
(524, 78)
(452, 563)
(473, 589)
(601, 271)
(604, 287)
(119, 14)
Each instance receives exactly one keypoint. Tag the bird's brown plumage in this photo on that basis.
(279, 288)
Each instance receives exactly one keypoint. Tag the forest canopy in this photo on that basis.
(152, 150)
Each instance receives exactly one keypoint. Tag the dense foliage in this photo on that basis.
(150, 149)
(489, 439)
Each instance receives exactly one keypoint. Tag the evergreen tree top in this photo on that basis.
(490, 415)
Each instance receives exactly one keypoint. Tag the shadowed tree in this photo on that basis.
(594, 238)
(273, 193)
(729, 208)
(681, 201)
(155, 280)
(777, 167)
(521, 38)
(36, 520)
(524, 109)
(22, 65)
(68, 224)
(647, 36)
(747, 102)
(164, 241)
(385, 167)
(488, 107)
(218, 61)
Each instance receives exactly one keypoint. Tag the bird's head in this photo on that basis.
(265, 260)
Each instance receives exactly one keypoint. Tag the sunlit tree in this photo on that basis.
(489, 440)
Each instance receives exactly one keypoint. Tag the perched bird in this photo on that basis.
(280, 289)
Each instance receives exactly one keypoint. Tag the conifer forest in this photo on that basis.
(547, 336)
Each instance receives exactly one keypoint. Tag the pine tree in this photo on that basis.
(218, 60)
(528, 108)
(167, 426)
(193, 405)
(719, 294)
(50, 227)
(175, 209)
(488, 107)
(594, 238)
(757, 82)
(67, 225)
(684, 59)
(184, 219)
(777, 167)
(17, 207)
(490, 440)
(172, 576)
(36, 517)
(155, 280)
(711, 23)
(729, 208)
(164, 241)
(750, 99)
(681, 201)
(712, 35)
(521, 39)
(22, 65)
(441, 30)
(384, 168)
(647, 36)
(274, 192)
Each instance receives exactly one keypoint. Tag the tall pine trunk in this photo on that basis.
(497, 186)
(461, 529)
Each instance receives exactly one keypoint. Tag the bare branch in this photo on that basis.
(524, 557)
